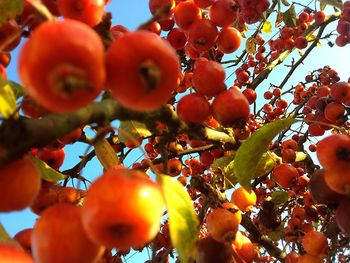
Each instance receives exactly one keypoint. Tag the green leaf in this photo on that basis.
(183, 222)
(17, 89)
(267, 27)
(10, 9)
(279, 197)
(7, 100)
(106, 154)
(47, 173)
(335, 3)
(4, 236)
(268, 161)
(290, 17)
(285, 2)
(220, 163)
(322, 5)
(225, 165)
(276, 235)
(251, 150)
(132, 130)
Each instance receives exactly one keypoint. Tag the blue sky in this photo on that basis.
(132, 13)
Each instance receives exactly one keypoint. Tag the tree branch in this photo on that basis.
(17, 137)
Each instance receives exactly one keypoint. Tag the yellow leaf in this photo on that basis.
(250, 45)
(7, 101)
(106, 154)
(267, 27)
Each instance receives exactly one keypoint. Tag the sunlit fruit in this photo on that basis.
(19, 184)
(122, 209)
(62, 65)
(142, 70)
(58, 236)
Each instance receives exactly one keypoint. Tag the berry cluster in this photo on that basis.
(343, 27)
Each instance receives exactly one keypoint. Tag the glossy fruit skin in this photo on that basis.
(314, 243)
(243, 199)
(89, 12)
(53, 158)
(340, 92)
(307, 258)
(342, 216)
(208, 77)
(202, 35)
(244, 247)
(142, 70)
(193, 108)
(122, 209)
(166, 6)
(58, 236)
(211, 251)
(224, 12)
(333, 152)
(7, 30)
(24, 238)
(230, 108)
(320, 191)
(229, 40)
(12, 254)
(19, 184)
(62, 65)
(185, 13)
(222, 224)
(285, 175)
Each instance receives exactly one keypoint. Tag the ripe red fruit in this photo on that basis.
(142, 70)
(224, 12)
(58, 236)
(314, 243)
(222, 224)
(186, 13)
(333, 153)
(319, 17)
(177, 38)
(230, 108)
(19, 184)
(11, 254)
(202, 34)
(24, 238)
(67, 71)
(7, 31)
(174, 167)
(340, 92)
(243, 199)
(285, 175)
(208, 77)
(250, 94)
(320, 191)
(53, 158)
(244, 248)
(334, 111)
(204, 3)
(122, 209)
(342, 216)
(89, 12)
(159, 7)
(292, 257)
(210, 251)
(301, 42)
(229, 40)
(193, 108)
